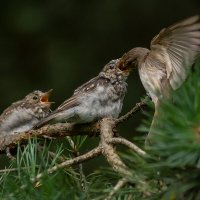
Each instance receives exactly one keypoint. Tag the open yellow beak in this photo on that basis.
(45, 97)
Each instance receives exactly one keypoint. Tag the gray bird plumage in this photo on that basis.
(24, 114)
(100, 97)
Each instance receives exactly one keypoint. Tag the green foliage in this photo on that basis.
(178, 141)
(175, 150)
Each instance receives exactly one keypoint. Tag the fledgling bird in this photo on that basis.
(100, 97)
(166, 65)
(24, 114)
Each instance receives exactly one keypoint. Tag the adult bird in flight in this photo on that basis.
(166, 65)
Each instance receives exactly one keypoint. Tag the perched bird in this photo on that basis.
(166, 65)
(100, 97)
(24, 114)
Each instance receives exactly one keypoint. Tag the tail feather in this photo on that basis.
(166, 93)
(153, 125)
(44, 121)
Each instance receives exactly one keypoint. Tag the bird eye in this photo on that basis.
(111, 66)
(35, 97)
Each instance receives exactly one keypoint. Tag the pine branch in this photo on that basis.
(128, 144)
(62, 130)
(80, 159)
(55, 130)
(105, 148)
(105, 127)
(50, 153)
(117, 187)
(76, 153)
(6, 170)
(134, 110)
(108, 150)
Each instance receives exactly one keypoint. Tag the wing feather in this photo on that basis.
(84, 89)
(179, 44)
(75, 99)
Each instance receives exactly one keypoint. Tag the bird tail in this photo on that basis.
(166, 94)
(153, 125)
(44, 121)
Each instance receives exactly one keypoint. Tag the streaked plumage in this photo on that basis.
(24, 114)
(166, 65)
(100, 97)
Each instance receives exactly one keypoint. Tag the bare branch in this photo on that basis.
(55, 130)
(117, 187)
(128, 144)
(134, 110)
(106, 127)
(91, 154)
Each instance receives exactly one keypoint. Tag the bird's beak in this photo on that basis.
(123, 66)
(45, 97)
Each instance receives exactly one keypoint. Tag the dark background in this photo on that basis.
(62, 44)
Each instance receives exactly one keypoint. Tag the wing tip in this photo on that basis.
(191, 20)
(41, 123)
(186, 22)
(196, 17)
(38, 125)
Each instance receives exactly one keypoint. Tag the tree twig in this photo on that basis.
(117, 187)
(55, 130)
(106, 133)
(82, 158)
(105, 147)
(134, 110)
(128, 144)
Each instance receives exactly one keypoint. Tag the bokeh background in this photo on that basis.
(61, 44)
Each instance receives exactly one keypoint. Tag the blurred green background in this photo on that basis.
(62, 44)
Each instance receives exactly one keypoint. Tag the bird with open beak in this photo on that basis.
(24, 114)
(100, 97)
(166, 65)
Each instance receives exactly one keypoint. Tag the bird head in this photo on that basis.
(39, 98)
(114, 68)
(132, 58)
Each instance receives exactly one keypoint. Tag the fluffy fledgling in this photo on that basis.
(100, 97)
(24, 114)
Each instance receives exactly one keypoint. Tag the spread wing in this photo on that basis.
(84, 89)
(179, 44)
(74, 100)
